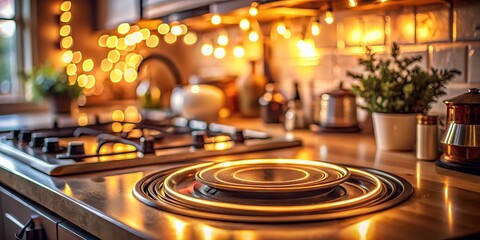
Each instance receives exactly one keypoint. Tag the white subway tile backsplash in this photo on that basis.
(403, 26)
(451, 57)
(344, 63)
(328, 36)
(452, 90)
(433, 24)
(410, 51)
(324, 70)
(468, 21)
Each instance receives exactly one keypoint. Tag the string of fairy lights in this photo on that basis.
(77, 68)
(121, 61)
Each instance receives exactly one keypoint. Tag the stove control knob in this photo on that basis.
(238, 137)
(25, 136)
(15, 134)
(198, 139)
(37, 141)
(147, 144)
(51, 145)
(75, 148)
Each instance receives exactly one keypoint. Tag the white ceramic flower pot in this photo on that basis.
(396, 132)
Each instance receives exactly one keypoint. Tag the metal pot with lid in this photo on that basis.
(461, 141)
(336, 109)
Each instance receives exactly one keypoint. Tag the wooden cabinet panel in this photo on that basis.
(110, 13)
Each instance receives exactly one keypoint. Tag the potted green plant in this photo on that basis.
(395, 90)
(49, 83)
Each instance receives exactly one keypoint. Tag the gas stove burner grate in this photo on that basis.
(276, 194)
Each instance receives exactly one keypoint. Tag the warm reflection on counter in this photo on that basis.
(363, 227)
(178, 225)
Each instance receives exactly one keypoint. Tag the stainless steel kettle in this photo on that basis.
(335, 109)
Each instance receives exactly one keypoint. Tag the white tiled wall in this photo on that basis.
(443, 39)
(441, 45)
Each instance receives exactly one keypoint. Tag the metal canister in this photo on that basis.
(427, 137)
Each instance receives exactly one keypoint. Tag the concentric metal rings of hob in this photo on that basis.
(272, 190)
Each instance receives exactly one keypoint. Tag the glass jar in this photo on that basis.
(271, 104)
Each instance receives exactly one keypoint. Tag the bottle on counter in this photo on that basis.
(427, 137)
(271, 104)
(295, 117)
(250, 90)
(148, 92)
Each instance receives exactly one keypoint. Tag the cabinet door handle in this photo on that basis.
(32, 230)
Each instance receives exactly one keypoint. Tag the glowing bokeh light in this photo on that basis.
(216, 19)
(238, 52)
(71, 69)
(253, 10)
(163, 28)
(77, 57)
(82, 80)
(219, 52)
(66, 6)
(130, 75)
(190, 38)
(116, 75)
(67, 42)
(102, 40)
(222, 39)
(244, 24)
(65, 30)
(123, 28)
(106, 65)
(66, 17)
(315, 28)
(329, 17)
(207, 49)
(176, 30)
(112, 41)
(87, 65)
(145, 33)
(114, 56)
(121, 44)
(90, 81)
(170, 38)
(281, 28)
(152, 41)
(253, 36)
(67, 56)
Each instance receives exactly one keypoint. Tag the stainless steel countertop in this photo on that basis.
(444, 204)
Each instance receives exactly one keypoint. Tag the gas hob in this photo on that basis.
(64, 150)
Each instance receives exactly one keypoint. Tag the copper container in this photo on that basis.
(461, 141)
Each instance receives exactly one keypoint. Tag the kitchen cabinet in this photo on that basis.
(17, 211)
(110, 13)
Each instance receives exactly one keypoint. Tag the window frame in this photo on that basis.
(25, 30)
